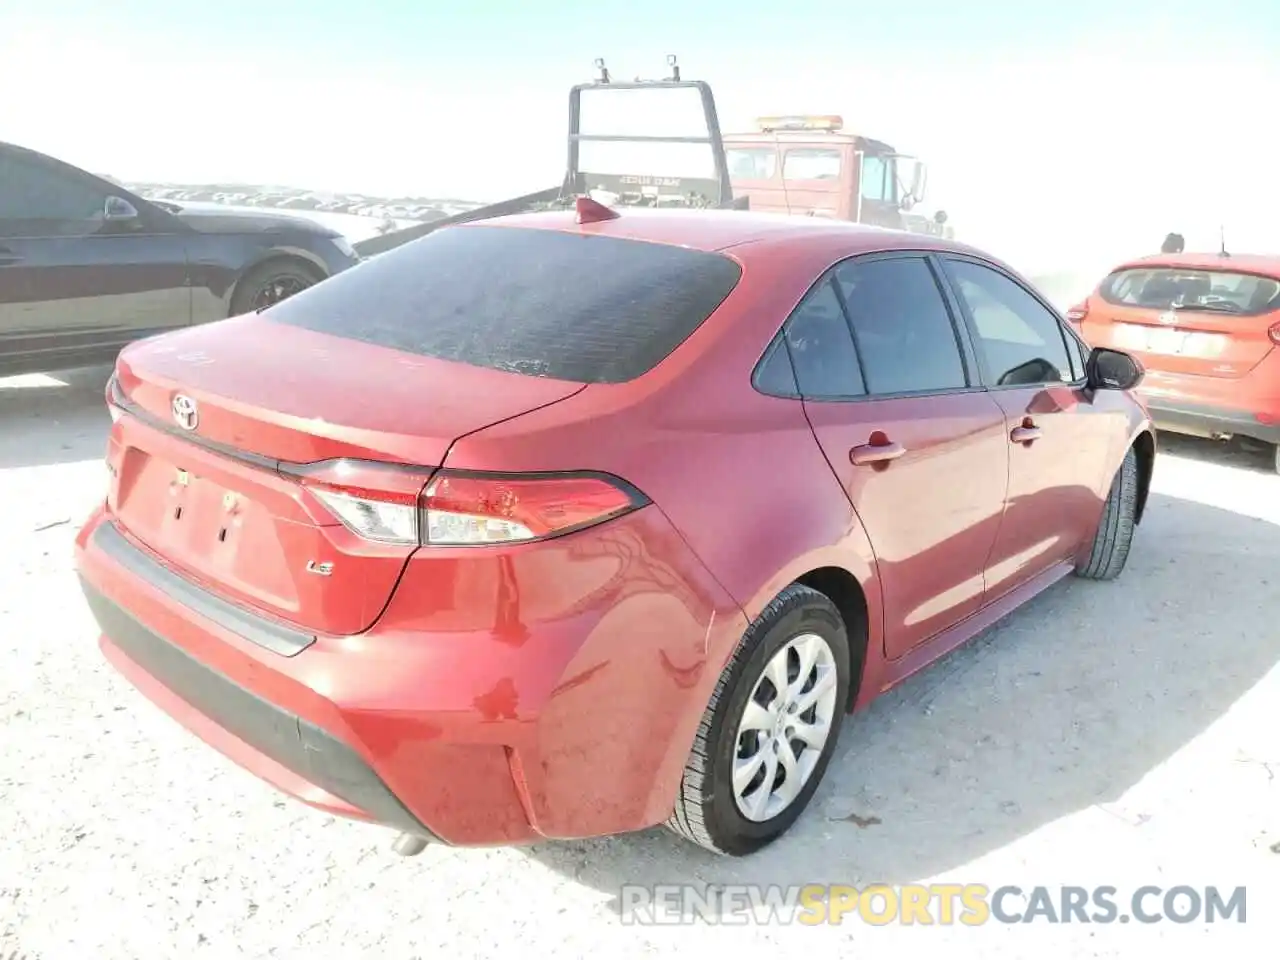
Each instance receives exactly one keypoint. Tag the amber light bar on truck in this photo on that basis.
(828, 121)
(461, 507)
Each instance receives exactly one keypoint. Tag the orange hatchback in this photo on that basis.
(1207, 329)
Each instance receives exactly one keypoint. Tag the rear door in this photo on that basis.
(890, 389)
(1207, 323)
(72, 284)
(1056, 433)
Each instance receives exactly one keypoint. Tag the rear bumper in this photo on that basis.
(303, 749)
(1203, 420)
(491, 703)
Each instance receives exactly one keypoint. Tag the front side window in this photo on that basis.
(876, 180)
(903, 329)
(34, 193)
(1021, 339)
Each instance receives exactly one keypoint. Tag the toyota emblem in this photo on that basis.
(185, 413)
(1169, 317)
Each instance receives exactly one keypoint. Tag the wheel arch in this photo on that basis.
(843, 589)
(1144, 445)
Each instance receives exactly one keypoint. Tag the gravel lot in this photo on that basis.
(1121, 734)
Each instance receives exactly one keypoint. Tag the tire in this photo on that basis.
(1276, 462)
(289, 276)
(708, 810)
(1114, 537)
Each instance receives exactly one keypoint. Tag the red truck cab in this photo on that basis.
(809, 165)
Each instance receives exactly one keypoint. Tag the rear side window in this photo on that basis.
(1208, 291)
(821, 348)
(543, 303)
(904, 332)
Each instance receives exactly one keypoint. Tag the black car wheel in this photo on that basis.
(270, 283)
(1114, 536)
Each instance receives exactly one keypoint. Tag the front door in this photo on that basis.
(920, 449)
(1057, 452)
(877, 191)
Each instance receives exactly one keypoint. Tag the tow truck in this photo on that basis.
(815, 170)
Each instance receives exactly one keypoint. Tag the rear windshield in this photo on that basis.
(538, 302)
(1217, 291)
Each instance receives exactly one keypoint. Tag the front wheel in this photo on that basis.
(1114, 536)
(769, 731)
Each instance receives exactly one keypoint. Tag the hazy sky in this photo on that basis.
(1046, 125)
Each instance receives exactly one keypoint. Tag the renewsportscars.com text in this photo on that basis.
(928, 904)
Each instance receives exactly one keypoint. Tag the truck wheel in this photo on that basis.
(1114, 537)
(769, 731)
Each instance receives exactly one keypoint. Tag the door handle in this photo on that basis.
(880, 450)
(1026, 433)
(8, 256)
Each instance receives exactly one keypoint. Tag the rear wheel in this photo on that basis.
(1114, 536)
(769, 731)
(270, 283)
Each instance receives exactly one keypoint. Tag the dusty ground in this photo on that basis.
(1117, 734)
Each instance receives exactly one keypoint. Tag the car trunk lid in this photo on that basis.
(219, 497)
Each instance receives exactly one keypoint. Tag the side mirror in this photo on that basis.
(1112, 370)
(741, 203)
(119, 210)
(919, 180)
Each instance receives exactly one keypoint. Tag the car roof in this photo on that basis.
(713, 231)
(1264, 264)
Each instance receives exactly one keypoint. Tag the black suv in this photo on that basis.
(86, 266)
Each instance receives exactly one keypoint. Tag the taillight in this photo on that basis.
(1274, 333)
(1077, 313)
(464, 508)
(114, 398)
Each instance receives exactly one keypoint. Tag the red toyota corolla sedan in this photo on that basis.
(557, 526)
